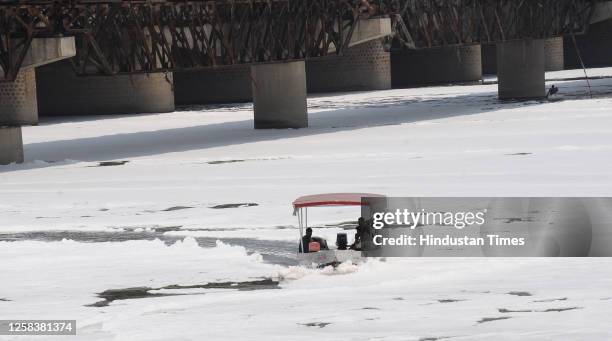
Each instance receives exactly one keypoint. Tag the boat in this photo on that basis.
(332, 256)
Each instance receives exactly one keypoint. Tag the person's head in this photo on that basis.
(360, 221)
(309, 232)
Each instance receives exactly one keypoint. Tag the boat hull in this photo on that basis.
(328, 257)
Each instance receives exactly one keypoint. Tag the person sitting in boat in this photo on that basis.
(308, 238)
(362, 227)
(357, 243)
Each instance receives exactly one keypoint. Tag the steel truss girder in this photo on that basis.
(431, 23)
(131, 37)
(116, 36)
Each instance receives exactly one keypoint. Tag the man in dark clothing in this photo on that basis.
(361, 227)
(357, 243)
(306, 239)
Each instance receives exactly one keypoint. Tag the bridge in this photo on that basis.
(118, 44)
(114, 36)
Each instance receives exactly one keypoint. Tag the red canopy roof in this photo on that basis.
(333, 199)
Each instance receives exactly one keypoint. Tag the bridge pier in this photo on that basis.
(553, 54)
(11, 145)
(366, 66)
(520, 69)
(448, 64)
(554, 59)
(62, 92)
(279, 95)
(18, 100)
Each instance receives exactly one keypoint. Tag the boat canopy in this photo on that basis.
(333, 199)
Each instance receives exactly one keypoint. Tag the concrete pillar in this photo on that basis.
(11, 145)
(216, 85)
(279, 95)
(553, 56)
(18, 100)
(366, 66)
(440, 65)
(62, 92)
(520, 69)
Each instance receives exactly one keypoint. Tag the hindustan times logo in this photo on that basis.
(420, 218)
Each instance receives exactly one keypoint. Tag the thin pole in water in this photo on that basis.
(582, 64)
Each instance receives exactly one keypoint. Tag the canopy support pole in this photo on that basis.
(301, 224)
